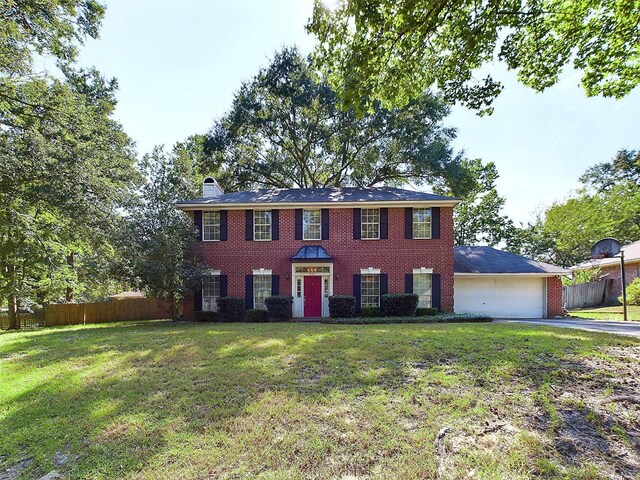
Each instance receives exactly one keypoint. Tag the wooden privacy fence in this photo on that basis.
(586, 294)
(104, 312)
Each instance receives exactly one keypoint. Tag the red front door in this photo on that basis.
(312, 296)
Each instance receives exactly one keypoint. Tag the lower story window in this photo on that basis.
(370, 290)
(210, 293)
(422, 288)
(261, 290)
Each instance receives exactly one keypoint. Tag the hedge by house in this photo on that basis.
(633, 293)
(342, 306)
(279, 307)
(207, 316)
(441, 318)
(426, 312)
(399, 304)
(256, 315)
(231, 309)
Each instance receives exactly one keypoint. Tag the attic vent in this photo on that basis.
(210, 188)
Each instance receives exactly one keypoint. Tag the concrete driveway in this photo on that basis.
(620, 328)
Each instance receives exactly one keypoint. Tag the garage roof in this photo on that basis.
(488, 260)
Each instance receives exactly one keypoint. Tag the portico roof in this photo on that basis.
(312, 253)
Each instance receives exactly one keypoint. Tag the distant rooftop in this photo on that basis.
(319, 195)
(490, 260)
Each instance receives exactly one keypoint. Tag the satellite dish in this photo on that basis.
(605, 248)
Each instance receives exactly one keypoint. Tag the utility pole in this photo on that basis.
(624, 286)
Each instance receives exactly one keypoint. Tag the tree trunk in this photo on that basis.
(12, 300)
(71, 264)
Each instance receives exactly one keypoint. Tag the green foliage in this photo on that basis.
(583, 275)
(231, 309)
(279, 307)
(426, 312)
(399, 304)
(394, 51)
(478, 219)
(158, 239)
(368, 312)
(607, 206)
(285, 129)
(256, 315)
(633, 293)
(342, 306)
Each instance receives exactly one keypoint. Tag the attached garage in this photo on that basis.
(504, 285)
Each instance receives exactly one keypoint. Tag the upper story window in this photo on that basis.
(422, 288)
(261, 290)
(210, 226)
(312, 225)
(421, 223)
(262, 224)
(370, 224)
(210, 293)
(370, 290)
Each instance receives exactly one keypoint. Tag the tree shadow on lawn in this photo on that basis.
(193, 400)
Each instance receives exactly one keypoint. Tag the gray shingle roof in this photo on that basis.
(311, 253)
(491, 260)
(320, 195)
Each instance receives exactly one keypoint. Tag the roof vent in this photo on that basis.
(210, 188)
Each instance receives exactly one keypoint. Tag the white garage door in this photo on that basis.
(500, 296)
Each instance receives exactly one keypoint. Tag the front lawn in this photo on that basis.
(163, 400)
(608, 313)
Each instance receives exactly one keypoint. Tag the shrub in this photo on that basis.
(231, 309)
(369, 312)
(426, 312)
(633, 293)
(256, 315)
(399, 304)
(279, 307)
(207, 316)
(342, 306)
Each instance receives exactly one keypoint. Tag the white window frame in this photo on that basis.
(366, 278)
(414, 223)
(420, 272)
(366, 213)
(262, 224)
(258, 300)
(213, 225)
(305, 224)
(210, 305)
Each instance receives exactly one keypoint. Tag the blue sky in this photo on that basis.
(178, 65)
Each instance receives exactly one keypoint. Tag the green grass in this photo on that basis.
(285, 401)
(608, 313)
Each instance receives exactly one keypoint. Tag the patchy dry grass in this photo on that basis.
(608, 313)
(287, 401)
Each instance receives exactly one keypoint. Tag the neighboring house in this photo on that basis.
(316, 242)
(610, 268)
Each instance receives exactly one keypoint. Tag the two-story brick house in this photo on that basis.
(317, 242)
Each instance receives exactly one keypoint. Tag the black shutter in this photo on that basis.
(384, 287)
(224, 285)
(435, 290)
(408, 283)
(384, 223)
(248, 292)
(223, 225)
(435, 222)
(298, 226)
(356, 292)
(197, 301)
(275, 284)
(356, 223)
(408, 223)
(275, 224)
(197, 220)
(325, 224)
(248, 225)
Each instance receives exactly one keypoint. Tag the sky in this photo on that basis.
(178, 65)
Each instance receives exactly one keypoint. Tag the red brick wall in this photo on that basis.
(631, 272)
(395, 256)
(554, 297)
